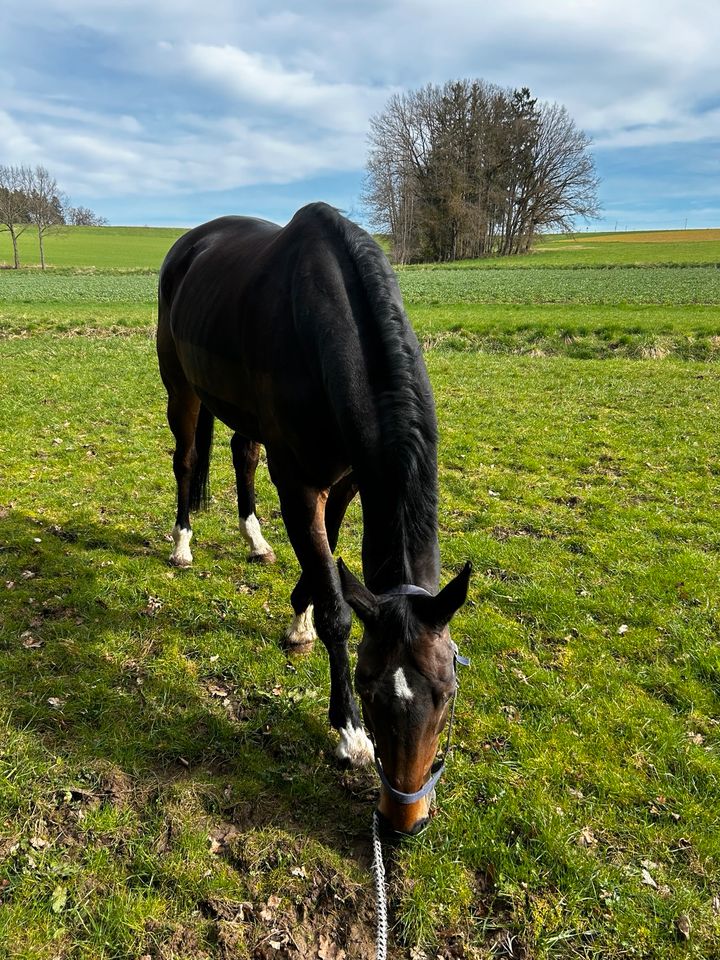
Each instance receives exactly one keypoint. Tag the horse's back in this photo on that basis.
(227, 242)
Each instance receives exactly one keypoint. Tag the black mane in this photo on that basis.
(402, 392)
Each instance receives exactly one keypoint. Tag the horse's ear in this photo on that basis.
(357, 595)
(439, 610)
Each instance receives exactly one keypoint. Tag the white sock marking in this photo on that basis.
(250, 529)
(402, 688)
(355, 747)
(302, 630)
(181, 555)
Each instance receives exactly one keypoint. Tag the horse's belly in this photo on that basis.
(224, 387)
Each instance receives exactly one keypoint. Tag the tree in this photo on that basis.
(470, 169)
(13, 205)
(84, 217)
(43, 204)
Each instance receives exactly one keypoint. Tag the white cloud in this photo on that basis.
(261, 80)
(171, 96)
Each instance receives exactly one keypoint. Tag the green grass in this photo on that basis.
(104, 248)
(118, 248)
(598, 250)
(661, 285)
(167, 785)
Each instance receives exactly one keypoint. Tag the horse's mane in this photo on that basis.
(402, 392)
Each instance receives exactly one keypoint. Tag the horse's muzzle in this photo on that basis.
(392, 834)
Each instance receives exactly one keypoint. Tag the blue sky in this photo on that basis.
(176, 111)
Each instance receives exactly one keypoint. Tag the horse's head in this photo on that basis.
(405, 678)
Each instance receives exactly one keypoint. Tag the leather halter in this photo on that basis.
(438, 768)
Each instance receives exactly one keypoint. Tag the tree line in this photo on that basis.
(470, 169)
(30, 198)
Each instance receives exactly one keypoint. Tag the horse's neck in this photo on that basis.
(400, 542)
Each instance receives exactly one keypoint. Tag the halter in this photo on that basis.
(438, 768)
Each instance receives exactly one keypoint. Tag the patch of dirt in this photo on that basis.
(276, 929)
(318, 912)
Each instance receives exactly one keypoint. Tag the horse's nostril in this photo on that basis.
(390, 833)
(418, 827)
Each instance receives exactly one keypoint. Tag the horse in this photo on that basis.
(297, 339)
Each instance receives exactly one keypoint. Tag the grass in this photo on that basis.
(600, 250)
(167, 785)
(103, 248)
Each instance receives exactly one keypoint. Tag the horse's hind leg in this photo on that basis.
(246, 454)
(183, 411)
(300, 635)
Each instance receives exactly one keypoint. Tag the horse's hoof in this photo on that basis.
(181, 555)
(295, 648)
(300, 636)
(267, 557)
(355, 748)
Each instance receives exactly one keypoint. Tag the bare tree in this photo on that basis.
(84, 217)
(562, 182)
(44, 206)
(13, 205)
(470, 169)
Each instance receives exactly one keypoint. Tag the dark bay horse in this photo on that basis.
(296, 338)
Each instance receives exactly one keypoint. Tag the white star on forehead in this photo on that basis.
(402, 688)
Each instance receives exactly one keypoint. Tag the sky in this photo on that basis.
(171, 112)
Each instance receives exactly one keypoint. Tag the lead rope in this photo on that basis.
(378, 871)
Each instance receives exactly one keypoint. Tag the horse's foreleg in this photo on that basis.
(301, 632)
(246, 454)
(303, 511)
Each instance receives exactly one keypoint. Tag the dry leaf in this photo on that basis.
(29, 641)
(154, 606)
(327, 950)
(587, 838)
(696, 738)
(682, 925)
(268, 911)
(648, 880)
(56, 702)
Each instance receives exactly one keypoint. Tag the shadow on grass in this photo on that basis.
(104, 678)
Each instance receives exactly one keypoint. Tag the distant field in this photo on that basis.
(104, 248)
(577, 311)
(660, 247)
(127, 248)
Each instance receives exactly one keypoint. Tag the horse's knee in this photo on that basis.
(333, 622)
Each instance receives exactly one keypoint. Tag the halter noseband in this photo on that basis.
(438, 768)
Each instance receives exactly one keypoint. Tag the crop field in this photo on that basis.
(167, 781)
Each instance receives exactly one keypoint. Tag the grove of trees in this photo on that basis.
(470, 169)
(31, 199)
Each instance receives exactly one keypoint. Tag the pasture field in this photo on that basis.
(167, 786)
(101, 248)
(143, 248)
(598, 250)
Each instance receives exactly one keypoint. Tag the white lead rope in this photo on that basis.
(378, 870)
